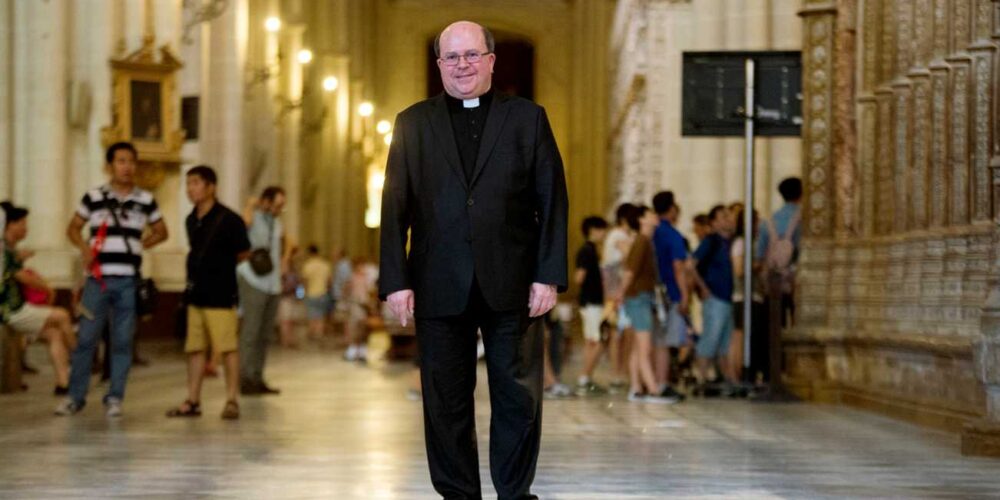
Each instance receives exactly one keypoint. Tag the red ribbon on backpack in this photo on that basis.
(95, 252)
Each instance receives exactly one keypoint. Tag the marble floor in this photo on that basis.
(345, 431)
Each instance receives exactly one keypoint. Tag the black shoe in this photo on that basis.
(137, 361)
(61, 390)
(669, 392)
(28, 369)
(268, 390)
(248, 389)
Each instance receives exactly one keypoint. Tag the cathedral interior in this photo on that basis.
(889, 118)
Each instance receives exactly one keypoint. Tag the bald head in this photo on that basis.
(465, 59)
(488, 40)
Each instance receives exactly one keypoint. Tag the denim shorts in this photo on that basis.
(717, 319)
(640, 311)
(674, 332)
(317, 307)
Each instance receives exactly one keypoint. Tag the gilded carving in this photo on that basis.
(939, 147)
(817, 130)
(981, 152)
(959, 146)
(921, 116)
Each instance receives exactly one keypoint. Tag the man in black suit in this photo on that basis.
(477, 179)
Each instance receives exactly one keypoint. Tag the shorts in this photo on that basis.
(674, 332)
(29, 320)
(317, 307)
(211, 326)
(717, 319)
(592, 316)
(639, 310)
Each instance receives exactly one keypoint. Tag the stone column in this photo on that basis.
(6, 86)
(40, 134)
(222, 142)
(289, 130)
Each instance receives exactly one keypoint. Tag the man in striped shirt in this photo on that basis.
(118, 215)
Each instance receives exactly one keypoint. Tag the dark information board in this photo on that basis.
(714, 87)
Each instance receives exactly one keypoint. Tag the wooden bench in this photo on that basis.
(10, 361)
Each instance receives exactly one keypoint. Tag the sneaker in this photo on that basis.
(68, 407)
(659, 399)
(590, 389)
(669, 392)
(113, 408)
(558, 391)
(636, 397)
(351, 354)
(362, 353)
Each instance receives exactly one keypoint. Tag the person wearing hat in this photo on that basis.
(36, 322)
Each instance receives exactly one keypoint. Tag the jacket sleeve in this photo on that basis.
(396, 216)
(551, 209)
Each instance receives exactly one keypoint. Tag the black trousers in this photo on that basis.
(448, 377)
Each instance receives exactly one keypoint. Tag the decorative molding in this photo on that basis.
(959, 144)
(817, 137)
(982, 130)
(901, 136)
(939, 146)
(921, 153)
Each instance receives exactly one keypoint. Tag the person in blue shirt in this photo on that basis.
(714, 278)
(787, 217)
(671, 259)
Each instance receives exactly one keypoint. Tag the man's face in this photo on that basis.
(597, 234)
(16, 231)
(198, 190)
(465, 80)
(123, 167)
(723, 222)
(278, 205)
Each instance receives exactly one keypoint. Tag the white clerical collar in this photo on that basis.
(470, 103)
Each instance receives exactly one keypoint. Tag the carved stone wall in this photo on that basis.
(892, 306)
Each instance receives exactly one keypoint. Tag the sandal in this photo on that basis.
(231, 411)
(186, 409)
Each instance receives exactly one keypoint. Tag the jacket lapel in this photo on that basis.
(441, 125)
(491, 132)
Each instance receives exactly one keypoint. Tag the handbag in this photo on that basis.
(260, 258)
(146, 294)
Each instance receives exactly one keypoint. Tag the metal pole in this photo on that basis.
(748, 214)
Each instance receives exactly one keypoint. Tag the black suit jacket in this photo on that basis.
(506, 227)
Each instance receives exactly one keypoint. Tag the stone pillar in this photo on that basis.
(6, 86)
(222, 143)
(40, 134)
(289, 130)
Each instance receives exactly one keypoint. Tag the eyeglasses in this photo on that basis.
(471, 57)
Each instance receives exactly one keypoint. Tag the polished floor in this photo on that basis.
(345, 431)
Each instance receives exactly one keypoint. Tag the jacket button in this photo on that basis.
(471, 202)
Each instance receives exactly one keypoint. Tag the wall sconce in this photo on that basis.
(330, 83)
(366, 109)
(388, 139)
(383, 127)
(272, 24)
(305, 56)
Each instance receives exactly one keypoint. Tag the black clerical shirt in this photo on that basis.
(468, 124)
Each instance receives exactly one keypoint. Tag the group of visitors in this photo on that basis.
(640, 279)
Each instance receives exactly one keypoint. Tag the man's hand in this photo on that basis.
(401, 304)
(541, 299)
(685, 306)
